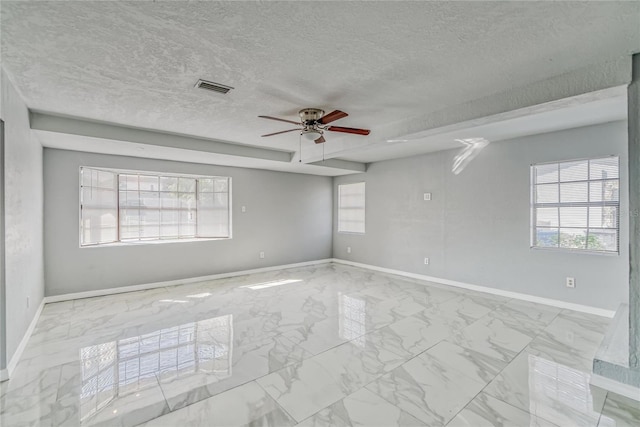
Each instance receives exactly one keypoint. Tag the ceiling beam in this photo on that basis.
(341, 164)
(71, 133)
(69, 125)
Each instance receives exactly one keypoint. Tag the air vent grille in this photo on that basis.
(214, 87)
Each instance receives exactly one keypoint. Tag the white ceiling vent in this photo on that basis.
(214, 87)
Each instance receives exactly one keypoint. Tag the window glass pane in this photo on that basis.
(603, 240)
(106, 179)
(99, 226)
(213, 215)
(205, 185)
(573, 192)
(221, 185)
(129, 223)
(546, 173)
(186, 185)
(129, 199)
(547, 217)
(149, 200)
(606, 168)
(547, 193)
(604, 191)
(128, 182)
(169, 200)
(168, 183)
(574, 171)
(351, 208)
(98, 199)
(573, 238)
(573, 217)
(546, 237)
(148, 183)
(87, 177)
(149, 223)
(187, 224)
(603, 217)
(187, 201)
(170, 223)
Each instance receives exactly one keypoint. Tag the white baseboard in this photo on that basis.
(133, 288)
(13, 362)
(622, 389)
(494, 291)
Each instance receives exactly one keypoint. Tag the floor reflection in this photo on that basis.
(555, 388)
(120, 368)
(352, 319)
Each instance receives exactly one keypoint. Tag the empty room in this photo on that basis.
(279, 213)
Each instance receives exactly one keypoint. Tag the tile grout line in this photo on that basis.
(505, 367)
(276, 402)
(406, 361)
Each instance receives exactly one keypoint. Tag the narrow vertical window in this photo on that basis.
(351, 208)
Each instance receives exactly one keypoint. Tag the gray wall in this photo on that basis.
(24, 266)
(288, 216)
(477, 227)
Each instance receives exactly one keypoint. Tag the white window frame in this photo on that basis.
(152, 240)
(364, 216)
(587, 204)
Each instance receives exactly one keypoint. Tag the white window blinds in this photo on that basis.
(143, 206)
(351, 208)
(99, 206)
(575, 205)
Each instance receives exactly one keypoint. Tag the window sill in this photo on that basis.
(575, 251)
(351, 232)
(153, 242)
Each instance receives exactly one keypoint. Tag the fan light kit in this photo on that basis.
(313, 124)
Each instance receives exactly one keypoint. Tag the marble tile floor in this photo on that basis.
(327, 345)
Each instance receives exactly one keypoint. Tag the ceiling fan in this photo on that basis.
(313, 124)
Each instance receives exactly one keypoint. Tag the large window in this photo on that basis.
(575, 205)
(351, 203)
(140, 206)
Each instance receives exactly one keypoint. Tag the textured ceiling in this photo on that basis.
(135, 63)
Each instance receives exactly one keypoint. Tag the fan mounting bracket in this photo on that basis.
(310, 115)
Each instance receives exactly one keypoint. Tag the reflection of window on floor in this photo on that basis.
(551, 384)
(122, 367)
(352, 322)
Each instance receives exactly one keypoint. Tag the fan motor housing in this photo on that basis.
(310, 115)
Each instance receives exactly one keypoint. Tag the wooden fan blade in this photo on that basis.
(280, 120)
(349, 130)
(319, 140)
(278, 133)
(332, 117)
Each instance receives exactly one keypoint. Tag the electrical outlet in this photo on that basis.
(348, 249)
(261, 255)
(244, 209)
(427, 196)
(426, 261)
(571, 282)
